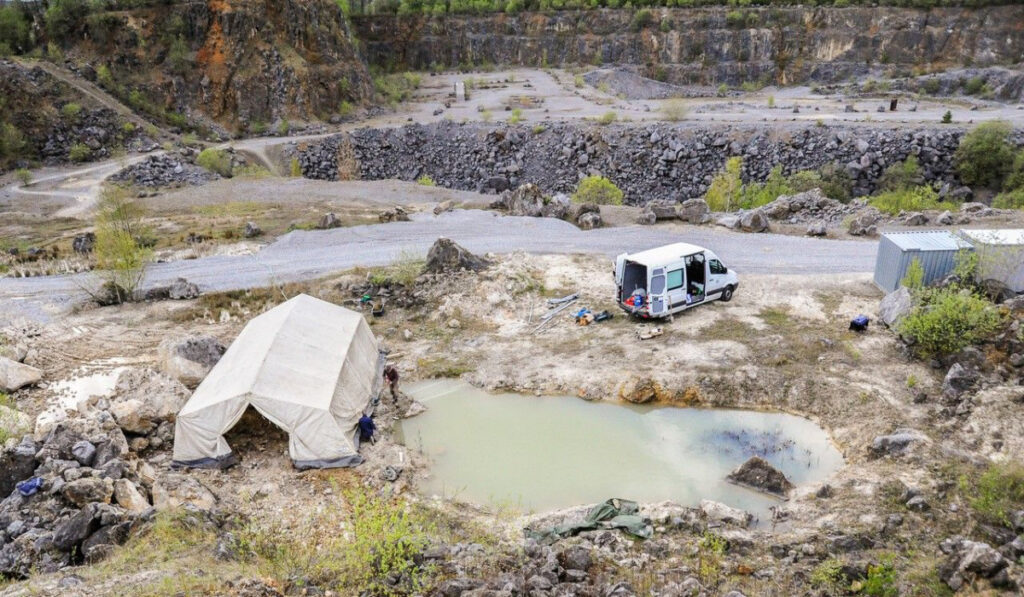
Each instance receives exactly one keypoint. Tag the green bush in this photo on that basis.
(515, 117)
(915, 199)
(426, 181)
(998, 492)
(914, 278)
(1015, 178)
(395, 88)
(62, 17)
(23, 175)
(642, 19)
(345, 109)
(71, 110)
(80, 152)
(985, 155)
(674, 110)
(607, 118)
(15, 30)
(1009, 200)
(103, 76)
(836, 182)
(805, 180)
(881, 579)
(756, 194)
(734, 18)
(945, 320)
(902, 176)
(215, 160)
(974, 85)
(947, 117)
(599, 190)
(178, 56)
(12, 141)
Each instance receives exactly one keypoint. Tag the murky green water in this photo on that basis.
(553, 452)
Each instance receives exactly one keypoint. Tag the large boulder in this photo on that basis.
(557, 206)
(662, 210)
(694, 211)
(69, 534)
(754, 220)
(175, 490)
(757, 474)
(647, 218)
(589, 220)
(144, 398)
(897, 443)
(895, 306)
(189, 359)
(969, 560)
(526, 200)
(865, 222)
(446, 255)
(959, 379)
(128, 497)
(16, 465)
(88, 490)
(719, 512)
(15, 375)
(182, 289)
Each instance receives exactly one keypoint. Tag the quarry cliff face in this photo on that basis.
(239, 63)
(710, 45)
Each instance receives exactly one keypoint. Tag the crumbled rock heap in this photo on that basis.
(77, 487)
(164, 171)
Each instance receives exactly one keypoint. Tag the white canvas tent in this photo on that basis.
(309, 366)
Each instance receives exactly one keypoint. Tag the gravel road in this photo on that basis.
(309, 254)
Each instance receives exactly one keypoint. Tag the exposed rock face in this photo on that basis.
(446, 255)
(648, 162)
(526, 200)
(758, 474)
(189, 360)
(809, 206)
(247, 61)
(785, 45)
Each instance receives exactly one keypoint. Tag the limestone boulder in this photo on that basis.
(144, 398)
(189, 359)
(895, 306)
(446, 256)
(128, 497)
(15, 375)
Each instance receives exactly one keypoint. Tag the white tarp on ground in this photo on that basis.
(309, 366)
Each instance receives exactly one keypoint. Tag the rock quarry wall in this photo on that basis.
(235, 62)
(707, 45)
(649, 162)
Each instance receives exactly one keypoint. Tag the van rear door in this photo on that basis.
(657, 293)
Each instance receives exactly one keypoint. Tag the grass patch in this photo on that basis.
(402, 272)
(215, 160)
(438, 367)
(997, 493)
(915, 199)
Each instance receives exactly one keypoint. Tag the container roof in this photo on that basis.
(660, 255)
(927, 240)
(1013, 236)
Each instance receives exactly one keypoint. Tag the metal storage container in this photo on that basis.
(1000, 255)
(936, 250)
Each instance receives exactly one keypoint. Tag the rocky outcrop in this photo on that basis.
(447, 256)
(189, 359)
(648, 162)
(783, 45)
(757, 474)
(164, 171)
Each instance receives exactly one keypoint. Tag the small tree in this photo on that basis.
(599, 190)
(914, 278)
(120, 258)
(215, 160)
(948, 319)
(726, 186)
(985, 155)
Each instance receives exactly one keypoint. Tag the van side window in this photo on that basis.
(716, 267)
(675, 279)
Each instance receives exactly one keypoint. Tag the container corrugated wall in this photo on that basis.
(892, 263)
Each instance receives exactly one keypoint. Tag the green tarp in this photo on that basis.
(611, 514)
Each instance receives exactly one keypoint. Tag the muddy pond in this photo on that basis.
(543, 453)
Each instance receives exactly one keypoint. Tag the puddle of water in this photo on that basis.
(68, 393)
(553, 452)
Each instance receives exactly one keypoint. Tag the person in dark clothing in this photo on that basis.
(366, 429)
(391, 378)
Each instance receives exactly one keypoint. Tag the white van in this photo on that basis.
(666, 280)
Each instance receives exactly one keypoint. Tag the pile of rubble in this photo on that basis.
(78, 485)
(652, 161)
(161, 171)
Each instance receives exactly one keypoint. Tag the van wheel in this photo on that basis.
(727, 294)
